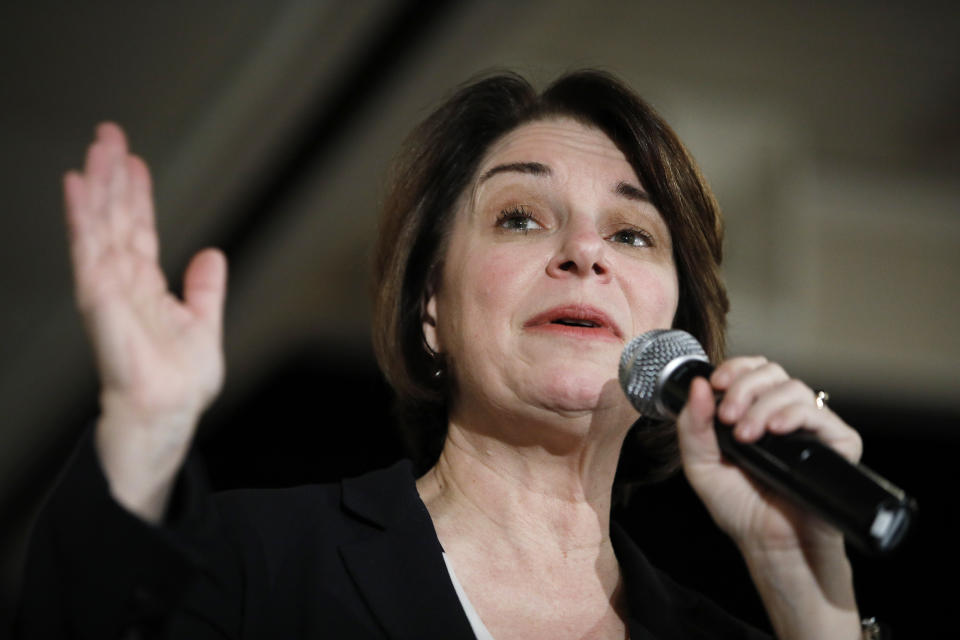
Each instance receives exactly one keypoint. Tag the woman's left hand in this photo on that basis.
(758, 397)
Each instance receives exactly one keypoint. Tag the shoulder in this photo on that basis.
(298, 535)
(333, 511)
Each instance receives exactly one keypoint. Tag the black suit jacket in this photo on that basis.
(355, 559)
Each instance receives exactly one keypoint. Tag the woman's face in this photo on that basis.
(555, 261)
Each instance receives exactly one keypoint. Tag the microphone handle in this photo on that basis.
(870, 511)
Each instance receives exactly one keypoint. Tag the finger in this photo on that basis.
(754, 421)
(113, 136)
(825, 424)
(108, 148)
(139, 203)
(96, 174)
(695, 434)
(733, 368)
(205, 286)
(746, 387)
(117, 211)
(117, 195)
(141, 189)
(111, 143)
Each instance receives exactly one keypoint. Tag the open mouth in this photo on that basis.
(575, 318)
(568, 322)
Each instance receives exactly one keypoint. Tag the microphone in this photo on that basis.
(656, 370)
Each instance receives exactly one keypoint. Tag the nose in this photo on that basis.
(582, 253)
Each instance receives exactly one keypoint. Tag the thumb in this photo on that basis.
(205, 286)
(698, 442)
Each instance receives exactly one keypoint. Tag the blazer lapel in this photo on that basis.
(399, 568)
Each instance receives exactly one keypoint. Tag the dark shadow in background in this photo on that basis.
(319, 417)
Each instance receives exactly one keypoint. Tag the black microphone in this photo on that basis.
(656, 370)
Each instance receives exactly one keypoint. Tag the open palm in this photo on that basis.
(156, 355)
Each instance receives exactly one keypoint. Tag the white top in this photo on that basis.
(479, 629)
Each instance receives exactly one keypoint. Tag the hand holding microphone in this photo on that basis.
(656, 370)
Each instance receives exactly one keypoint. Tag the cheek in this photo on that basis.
(495, 276)
(654, 297)
(484, 293)
(498, 277)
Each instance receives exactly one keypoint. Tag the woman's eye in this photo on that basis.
(633, 237)
(517, 219)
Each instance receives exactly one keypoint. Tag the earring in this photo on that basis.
(436, 358)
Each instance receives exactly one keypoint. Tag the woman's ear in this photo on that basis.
(430, 324)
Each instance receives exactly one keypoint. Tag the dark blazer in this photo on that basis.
(355, 559)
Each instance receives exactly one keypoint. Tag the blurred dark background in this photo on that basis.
(829, 132)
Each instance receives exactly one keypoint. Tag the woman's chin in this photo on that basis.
(576, 393)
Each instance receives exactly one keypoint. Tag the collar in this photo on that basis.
(399, 567)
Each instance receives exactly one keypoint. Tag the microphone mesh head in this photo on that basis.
(645, 357)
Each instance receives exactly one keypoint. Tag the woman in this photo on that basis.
(526, 239)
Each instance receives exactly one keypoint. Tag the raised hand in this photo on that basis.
(160, 359)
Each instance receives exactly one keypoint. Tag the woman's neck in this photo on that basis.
(527, 529)
(530, 496)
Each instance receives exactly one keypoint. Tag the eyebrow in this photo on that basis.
(625, 189)
(533, 168)
(631, 192)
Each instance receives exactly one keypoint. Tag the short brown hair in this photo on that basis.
(435, 166)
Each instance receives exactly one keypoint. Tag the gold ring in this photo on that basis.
(822, 397)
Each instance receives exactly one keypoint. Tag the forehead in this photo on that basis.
(558, 141)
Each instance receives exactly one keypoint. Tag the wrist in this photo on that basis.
(818, 552)
(141, 457)
(808, 593)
